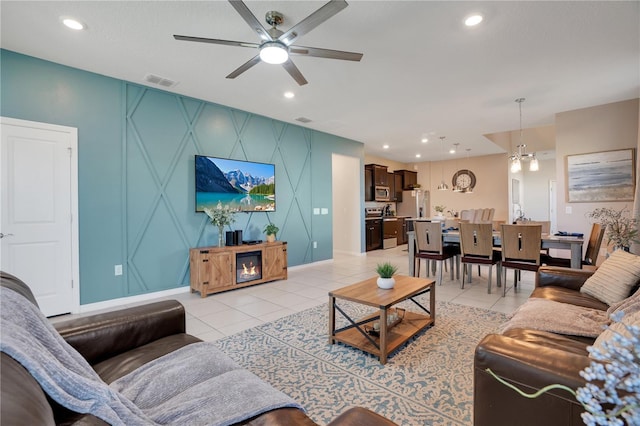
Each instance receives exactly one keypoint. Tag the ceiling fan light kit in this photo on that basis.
(277, 46)
(274, 52)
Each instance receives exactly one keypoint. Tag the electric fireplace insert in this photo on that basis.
(248, 266)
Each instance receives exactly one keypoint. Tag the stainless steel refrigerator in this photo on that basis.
(412, 206)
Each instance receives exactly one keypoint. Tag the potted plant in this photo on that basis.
(271, 230)
(621, 227)
(386, 271)
(439, 210)
(220, 217)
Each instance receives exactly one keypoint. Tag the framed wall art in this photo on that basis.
(601, 176)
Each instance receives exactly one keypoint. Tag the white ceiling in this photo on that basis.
(423, 72)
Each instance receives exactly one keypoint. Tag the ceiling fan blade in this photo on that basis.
(294, 72)
(242, 68)
(250, 19)
(215, 41)
(312, 21)
(325, 53)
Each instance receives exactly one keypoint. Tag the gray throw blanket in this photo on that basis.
(196, 385)
(556, 317)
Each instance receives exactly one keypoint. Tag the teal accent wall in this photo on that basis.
(136, 172)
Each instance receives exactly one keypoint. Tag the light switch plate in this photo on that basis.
(117, 270)
(316, 210)
(325, 210)
(568, 210)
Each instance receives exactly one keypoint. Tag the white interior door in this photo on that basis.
(38, 227)
(553, 203)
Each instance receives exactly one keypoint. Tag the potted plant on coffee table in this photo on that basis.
(386, 271)
(271, 230)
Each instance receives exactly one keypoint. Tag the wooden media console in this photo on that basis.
(216, 269)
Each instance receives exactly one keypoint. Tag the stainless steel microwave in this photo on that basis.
(382, 193)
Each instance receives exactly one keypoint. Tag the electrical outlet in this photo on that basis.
(118, 270)
(568, 210)
(315, 244)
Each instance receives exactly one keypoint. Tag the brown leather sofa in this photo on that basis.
(533, 359)
(115, 344)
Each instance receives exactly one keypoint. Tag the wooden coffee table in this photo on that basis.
(371, 333)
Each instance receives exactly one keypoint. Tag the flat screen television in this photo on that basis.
(243, 186)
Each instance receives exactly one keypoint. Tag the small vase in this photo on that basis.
(386, 283)
(221, 236)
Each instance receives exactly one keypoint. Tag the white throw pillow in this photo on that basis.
(615, 278)
(617, 328)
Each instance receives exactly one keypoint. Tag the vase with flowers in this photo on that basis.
(439, 211)
(621, 227)
(220, 217)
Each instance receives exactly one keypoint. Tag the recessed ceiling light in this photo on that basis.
(385, 146)
(452, 151)
(74, 24)
(418, 156)
(425, 140)
(473, 20)
(289, 95)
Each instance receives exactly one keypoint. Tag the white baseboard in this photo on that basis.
(120, 302)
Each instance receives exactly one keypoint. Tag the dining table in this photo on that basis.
(549, 241)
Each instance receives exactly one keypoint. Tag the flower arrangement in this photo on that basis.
(615, 368)
(220, 217)
(611, 395)
(439, 209)
(621, 227)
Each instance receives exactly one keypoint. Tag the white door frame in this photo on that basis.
(75, 241)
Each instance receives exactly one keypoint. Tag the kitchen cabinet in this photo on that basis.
(397, 185)
(403, 238)
(373, 234)
(368, 184)
(409, 179)
(392, 186)
(380, 174)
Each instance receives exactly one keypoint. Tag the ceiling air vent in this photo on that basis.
(160, 81)
(303, 120)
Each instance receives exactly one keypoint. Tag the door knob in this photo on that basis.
(5, 235)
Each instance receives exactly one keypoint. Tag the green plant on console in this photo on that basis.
(271, 229)
(386, 270)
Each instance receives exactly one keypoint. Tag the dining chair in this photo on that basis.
(546, 225)
(477, 217)
(467, 215)
(476, 247)
(520, 250)
(429, 246)
(590, 255)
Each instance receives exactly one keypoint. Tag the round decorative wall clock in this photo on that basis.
(464, 179)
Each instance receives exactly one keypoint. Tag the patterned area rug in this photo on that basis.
(428, 381)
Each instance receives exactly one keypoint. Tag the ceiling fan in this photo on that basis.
(276, 45)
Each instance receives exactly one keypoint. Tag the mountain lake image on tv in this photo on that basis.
(243, 186)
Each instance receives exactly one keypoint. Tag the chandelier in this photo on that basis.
(522, 154)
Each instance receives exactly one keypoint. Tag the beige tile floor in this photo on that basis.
(223, 314)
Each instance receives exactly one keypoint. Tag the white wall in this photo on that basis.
(600, 128)
(346, 204)
(535, 191)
